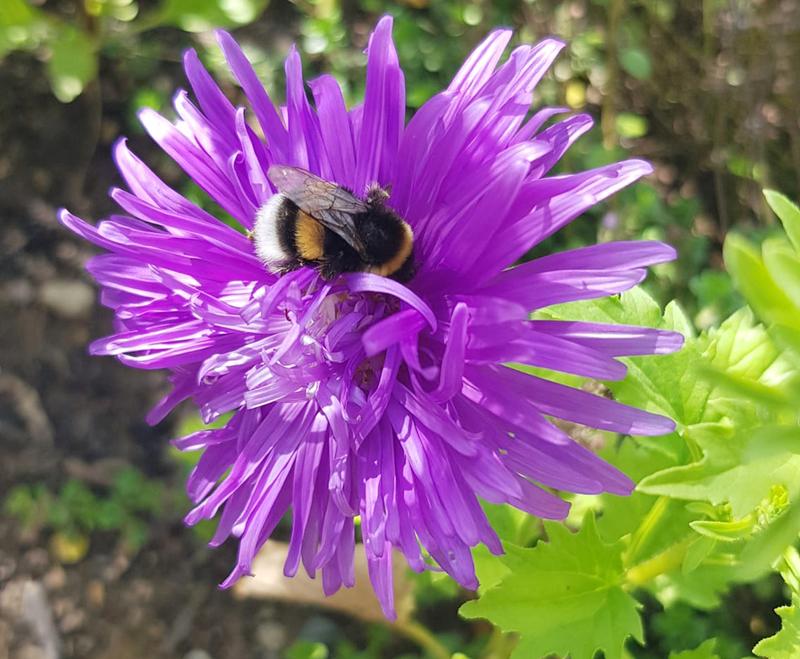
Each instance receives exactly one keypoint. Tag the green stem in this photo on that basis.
(423, 637)
(666, 561)
(500, 645)
(649, 523)
(525, 530)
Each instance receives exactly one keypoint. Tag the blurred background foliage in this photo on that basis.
(706, 90)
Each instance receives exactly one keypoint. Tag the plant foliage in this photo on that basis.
(717, 503)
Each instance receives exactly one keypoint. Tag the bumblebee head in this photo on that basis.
(377, 196)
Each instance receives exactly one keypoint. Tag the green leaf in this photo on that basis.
(203, 15)
(701, 588)
(786, 643)
(16, 13)
(754, 280)
(723, 475)
(761, 553)
(697, 552)
(72, 63)
(788, 213)
(564, 596)
(743, 348)
(724, 531)
(134, 535)
(705, 650)
(738, 387)
(732, 425)
(783, 265)
(655, 524)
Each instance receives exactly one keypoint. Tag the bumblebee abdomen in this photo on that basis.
(389, 243)
(309, 237)
(273, 232)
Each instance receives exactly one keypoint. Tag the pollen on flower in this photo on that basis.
(363, 397)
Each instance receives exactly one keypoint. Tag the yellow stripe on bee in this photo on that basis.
(396, 262)
(309, 236)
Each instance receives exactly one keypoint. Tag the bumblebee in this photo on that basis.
(313, 222)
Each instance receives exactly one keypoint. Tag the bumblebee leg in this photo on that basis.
(329, 270)
(289, 266)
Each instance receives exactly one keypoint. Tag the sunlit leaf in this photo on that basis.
(731, 531)
(789, 214)
(783, 264)
(786, 643)
(564, 596)
(760, 554)
(722, 476)
(756, 283)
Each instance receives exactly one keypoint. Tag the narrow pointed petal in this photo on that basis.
(384, 110)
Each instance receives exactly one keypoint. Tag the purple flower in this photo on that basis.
(363, 396)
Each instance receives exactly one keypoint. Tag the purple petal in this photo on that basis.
(614, 340)
(384, 110)
(577, 193)
(271, 124)
(359, 282)
(480, 64)
(576, 405)
(213, 102)
(337, 132)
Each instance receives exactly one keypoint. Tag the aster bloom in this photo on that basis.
(363, 396)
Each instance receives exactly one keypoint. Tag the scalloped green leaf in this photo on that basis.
(564, 596)
(786, 643)
(731, 469)
(706, 650)
(724, 475)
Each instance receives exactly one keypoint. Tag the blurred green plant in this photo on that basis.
(71, 41)
(75, 512)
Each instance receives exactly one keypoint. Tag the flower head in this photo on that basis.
(362, 396)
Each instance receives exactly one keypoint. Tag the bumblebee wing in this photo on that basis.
(331, 205)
